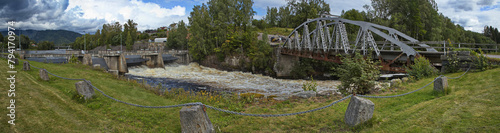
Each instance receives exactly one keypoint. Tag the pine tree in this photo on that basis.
(129, 41)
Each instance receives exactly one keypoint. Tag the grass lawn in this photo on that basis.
(472, 106)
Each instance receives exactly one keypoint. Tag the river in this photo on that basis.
(242, 82)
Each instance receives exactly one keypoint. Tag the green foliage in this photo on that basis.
(110, 34)
(357, 74)
(310, 86)
(421, 69)
(73, 60)
(177, 38)
(453, 63)
(481, 63)
(45, 45)
(129, 43)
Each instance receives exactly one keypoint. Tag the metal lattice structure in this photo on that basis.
(321, 42)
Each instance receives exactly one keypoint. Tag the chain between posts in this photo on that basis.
(470, 66)
(199, 103)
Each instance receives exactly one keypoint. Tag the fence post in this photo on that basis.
(194, 119)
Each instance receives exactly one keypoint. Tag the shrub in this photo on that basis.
(73, 59)
(357, 75)
(481, 63)
(310, 86)
(422, 68)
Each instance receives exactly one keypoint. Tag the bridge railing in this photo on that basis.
(443, 46)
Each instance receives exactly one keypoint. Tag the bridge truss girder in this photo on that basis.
(319, 42)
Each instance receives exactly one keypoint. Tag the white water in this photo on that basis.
(232, 81)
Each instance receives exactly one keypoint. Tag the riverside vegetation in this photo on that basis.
(50, 107)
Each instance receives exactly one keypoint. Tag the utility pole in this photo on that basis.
(121, 45)
(84, 42)
(20, 47)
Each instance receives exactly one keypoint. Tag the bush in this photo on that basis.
(357, 75)
(310, 86)
(422, 68)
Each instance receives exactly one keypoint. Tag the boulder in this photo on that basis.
(405, 79)
(440, 84)
(194, 119)
(326, 93)
(97, 66)
(87, 59)
(84, 88)
(114, 72)
(26, 66)
(305, 94)
(358, 111)
(396, 82)
(44, 75)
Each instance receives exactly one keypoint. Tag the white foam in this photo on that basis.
(233, 81)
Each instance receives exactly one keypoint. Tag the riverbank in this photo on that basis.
(41, 106)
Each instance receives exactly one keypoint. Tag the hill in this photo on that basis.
(59, 37)
(472, 106)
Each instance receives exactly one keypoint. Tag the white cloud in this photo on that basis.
(471, 15)
(146, 15)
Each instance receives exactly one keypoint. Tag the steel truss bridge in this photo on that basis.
(321, 43)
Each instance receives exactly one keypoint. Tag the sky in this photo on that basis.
(86, 16)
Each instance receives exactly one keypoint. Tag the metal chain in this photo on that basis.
(277, 115)
(199, 103)
(416, 89)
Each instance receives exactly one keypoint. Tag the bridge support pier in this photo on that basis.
(284, 65)
(117, 63)
(154, 60)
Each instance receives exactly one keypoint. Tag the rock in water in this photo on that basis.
(358, 111)
(44, 75)
(396, 82)
(26, 66)
(305, 94)
(195, 120)
(440, 84)
(83, 88)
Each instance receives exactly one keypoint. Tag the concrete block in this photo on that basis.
(26, 66)
(87, 59)
(83, 88)
(195, 120)
(358, 111)
(122, 64)
(44, 75)
(114, 72)
(440, 84)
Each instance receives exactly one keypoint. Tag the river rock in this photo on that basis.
(326, 93)
(26, 66)
(305, 94)
(358, 111)
(405, 79)
(396, 82)
(83, 88)
(87, 59)
(44, 75)
(440, 84)
(97, 66)
(194, 119)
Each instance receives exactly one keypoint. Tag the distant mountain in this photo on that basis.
(59, 37)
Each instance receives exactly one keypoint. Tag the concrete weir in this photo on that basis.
(116, 62)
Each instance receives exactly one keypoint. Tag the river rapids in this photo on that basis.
(242, 82)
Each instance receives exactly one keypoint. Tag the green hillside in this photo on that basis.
(59, 37)
(472, 106)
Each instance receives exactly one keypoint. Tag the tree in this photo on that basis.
(129, 41)
(272, 16)
(357, 74)
(45, 45)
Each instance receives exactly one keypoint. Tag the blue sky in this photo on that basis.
(89, 15)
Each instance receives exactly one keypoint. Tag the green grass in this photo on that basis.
(471, 106)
